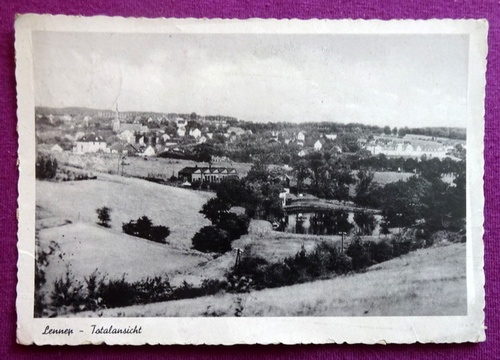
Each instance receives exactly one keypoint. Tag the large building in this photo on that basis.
(206, 174)
(90, 143)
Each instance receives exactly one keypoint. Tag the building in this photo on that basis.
(206, 174)
(236, 130)
(56, 148)
(90, 143)
(149, 151)
(196, 133)
(318, 145)
(301, 138)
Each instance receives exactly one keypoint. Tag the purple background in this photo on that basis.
(391, 9)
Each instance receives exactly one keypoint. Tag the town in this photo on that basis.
(241, 197)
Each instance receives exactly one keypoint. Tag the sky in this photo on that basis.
(396, 80)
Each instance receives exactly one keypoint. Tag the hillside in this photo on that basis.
(426, 282)
(129, 199)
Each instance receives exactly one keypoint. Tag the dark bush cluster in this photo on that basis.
(144, 228)
(366, 253)
(211, 239)
(46, 167)
(256, 273)
(97, 292)
(226, 227)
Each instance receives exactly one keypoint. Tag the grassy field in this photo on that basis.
(428, 282)
(138, 166)
(86, 247)
(129, 199)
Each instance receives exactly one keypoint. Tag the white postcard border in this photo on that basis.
(266, 330)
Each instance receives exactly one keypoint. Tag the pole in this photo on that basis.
(342, 243)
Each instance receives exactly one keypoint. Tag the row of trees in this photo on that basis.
(142, 227)
(46, 167)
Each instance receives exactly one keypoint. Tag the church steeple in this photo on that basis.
(116, 120)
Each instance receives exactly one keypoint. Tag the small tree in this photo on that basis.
(103, 214)
(211, 239)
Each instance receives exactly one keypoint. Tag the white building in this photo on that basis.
(90, 143)
(318, 145)
(196, 133)
(149, 151)
(301, 138)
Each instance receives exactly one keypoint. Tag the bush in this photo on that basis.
(380, 251)
(359, 253)
(46, 167)
(235, 225)
(211, 239)
(254, 272)
(144, 228)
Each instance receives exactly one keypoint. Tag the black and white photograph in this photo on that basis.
(196, 173)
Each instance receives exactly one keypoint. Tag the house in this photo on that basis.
(318, 145)
(331, 136)
(117, 148)
(90, 143)
(165, 137)
(202, 140)
(301, 138)
(181, 131)
(134, 128)
(180, 122)
(219, 159)
(127, 136)
(206, 174)
(302, 153)
(56, 148)
(196, 133)
(149, 151)
(235, 129)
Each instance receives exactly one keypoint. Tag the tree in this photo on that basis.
(103, 214)
(366, 190)
(365, 222)
(46, 167)
(211, 239)
(387, 130)
(214, 209)
(143, 227)
(395, 131)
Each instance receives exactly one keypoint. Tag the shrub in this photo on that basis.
(143, 227)
(400, 245)
(103, 214)
(46, 167)
(211, 239)
(359, 254)
(235, 225)
(380, 251)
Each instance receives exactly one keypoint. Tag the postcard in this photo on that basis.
(260, 181)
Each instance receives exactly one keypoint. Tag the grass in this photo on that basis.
(129, 199)
(427, 282)
(138, 166)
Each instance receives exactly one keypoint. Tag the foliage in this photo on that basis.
(215, 209)
(46, 167)
(103, 214)
(366, 222)
(254, 272)
(211, 239)
(143, 227)
(359, 252)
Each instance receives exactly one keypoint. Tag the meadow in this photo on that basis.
(427, 282)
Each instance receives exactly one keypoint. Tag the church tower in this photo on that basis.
(116, 120)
